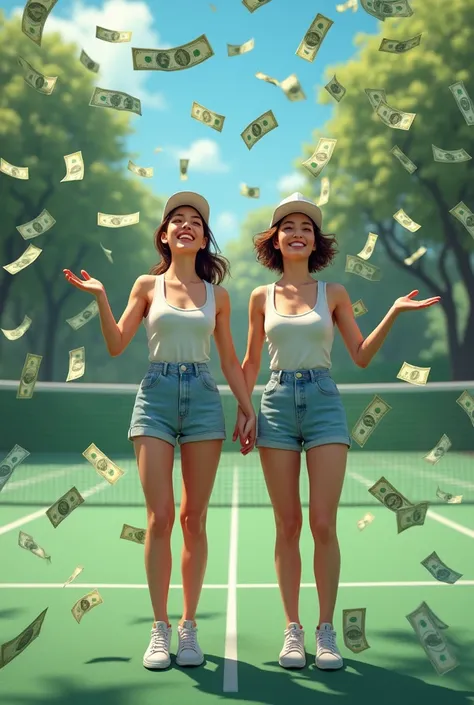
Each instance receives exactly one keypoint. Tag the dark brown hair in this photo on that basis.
(271, 258)
(210, 266)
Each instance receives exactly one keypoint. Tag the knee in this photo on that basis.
(323, 529)
(160, 522)
(288, 527)
(193, 523)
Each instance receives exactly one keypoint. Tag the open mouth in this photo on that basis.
(186, 236)
(297, 244)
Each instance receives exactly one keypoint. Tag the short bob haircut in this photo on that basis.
(210, 266)
(271, 258)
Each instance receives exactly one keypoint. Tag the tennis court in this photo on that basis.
(240, 617)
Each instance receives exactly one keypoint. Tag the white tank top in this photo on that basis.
(302, 341)
(178, 334)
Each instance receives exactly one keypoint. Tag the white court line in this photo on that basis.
(10, 486)
(231, 677)
(41, 512)
(460, 528)
(238, 586)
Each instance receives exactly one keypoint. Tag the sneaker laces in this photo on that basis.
(293, 640)
(159, 639)
(327, 640)
(187, 638)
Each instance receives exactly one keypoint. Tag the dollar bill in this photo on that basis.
(292, 88)
(440, 570)
(363, 269)
(29, 544)
(403, 159)
(359, 308)
(375, 96)
(463, 100)
(112, 36)
(369, 247)
(12, 649)
(466, 402)
(77, 571)
(41, 83)
(396, 119)
(335, 89)
(105, 467)
(324, 194)
(10, 462)
(207, 117)
(77, 363)
(397, 46)
(311, 42)
(131, 533)
(440, 449)
(268, 79)
(405, 220)
(108, 253)
(465, 216)
(258, 128)
(86, 604)
(74, 167)
(19, 331)
(237, 49)
(321, 156)
(158, 149)
(253, 5)
(183, 169)
(450, 155)
(34, 18)
(106, 220)
(249, 191)
(353, 627)
(29, 375)
(213, 7)
(411, 516)
(28, 257)
(365, 521)
(383, 10)
(64, 506)
(436, 648)
(385, 492)
(17, 172)
(369, 420)
(80, 319)
(448, 497)
(39, 225)
(145, 171)
(346, 5)
(117, 100)
(89, 63)
(177, 59)
(415, 256)
(413, 374)
(439, 624)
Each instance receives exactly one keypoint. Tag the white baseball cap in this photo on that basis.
(188, 198)
(297, 203)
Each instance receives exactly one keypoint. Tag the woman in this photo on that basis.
(301, 406)
(182, 305)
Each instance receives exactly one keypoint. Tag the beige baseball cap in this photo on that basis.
(297, 203)
(188, 198)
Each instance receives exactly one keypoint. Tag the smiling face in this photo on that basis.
(295, 237)
(185, 230)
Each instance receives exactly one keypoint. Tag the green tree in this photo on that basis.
(368, 184)
(37, 131)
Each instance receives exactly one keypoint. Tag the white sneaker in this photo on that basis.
(293, 654)
(327, 653)
(189, 653)
(158, 653)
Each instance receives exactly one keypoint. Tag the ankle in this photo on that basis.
(161, 620)
(187, 619)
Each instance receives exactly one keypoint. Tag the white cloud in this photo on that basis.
(203, 155)
(289, 183)
(116, 68)
(226, 226)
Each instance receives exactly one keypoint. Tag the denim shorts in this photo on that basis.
(178, 401)
(301, 409)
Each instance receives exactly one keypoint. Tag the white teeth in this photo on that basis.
(297, 244)
(185, 237)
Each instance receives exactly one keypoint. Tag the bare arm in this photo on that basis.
(118, 335)
(256, 337)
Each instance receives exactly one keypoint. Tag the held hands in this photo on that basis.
(406, 303)
(92, 286)
(245, 429)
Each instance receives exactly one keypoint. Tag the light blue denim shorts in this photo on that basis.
(178, 402)
(301, 409)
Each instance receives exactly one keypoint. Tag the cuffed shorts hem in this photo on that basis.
(216, 436)
(268, 443)
(325, 441)
(150, 431)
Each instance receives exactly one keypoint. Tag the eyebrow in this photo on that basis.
(197, 217)
(304, 222)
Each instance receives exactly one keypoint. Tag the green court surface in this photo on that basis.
(240, 616)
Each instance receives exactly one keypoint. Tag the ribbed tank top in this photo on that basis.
(178, 334)
(302, 341)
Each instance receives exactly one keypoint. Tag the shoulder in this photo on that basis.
(222, 298)
(336, 291)
(144, 282)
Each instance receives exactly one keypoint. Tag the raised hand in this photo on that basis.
(407, 303)
(92, 286)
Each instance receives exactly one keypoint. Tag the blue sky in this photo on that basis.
(219, 162)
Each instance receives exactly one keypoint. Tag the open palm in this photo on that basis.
(407, 303)
(89, 284)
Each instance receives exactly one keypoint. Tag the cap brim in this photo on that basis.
(188, 198)
(310, 209)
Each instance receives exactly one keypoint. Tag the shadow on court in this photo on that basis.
(66, 691)
(175, 617)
